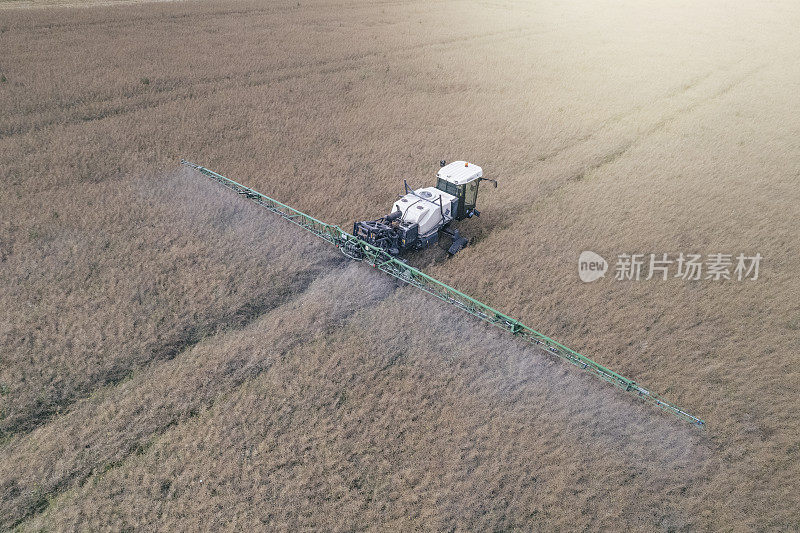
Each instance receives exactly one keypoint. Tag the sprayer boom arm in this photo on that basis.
(378, 258)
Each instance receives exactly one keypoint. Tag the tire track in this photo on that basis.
(511, 207)
(250, 311)
(198, 380)
(267, 76)
(614, 155)
(619, 117)
(149, 4)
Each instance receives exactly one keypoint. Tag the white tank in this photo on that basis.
(422, 207)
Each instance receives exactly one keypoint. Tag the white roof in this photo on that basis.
(459, 172)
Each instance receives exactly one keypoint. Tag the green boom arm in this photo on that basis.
(380, 259)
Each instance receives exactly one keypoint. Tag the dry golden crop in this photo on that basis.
(173, 358)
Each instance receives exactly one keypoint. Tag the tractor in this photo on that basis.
(420, 216)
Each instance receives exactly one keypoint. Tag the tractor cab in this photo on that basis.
(461, 180)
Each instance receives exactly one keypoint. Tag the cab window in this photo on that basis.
(472, 194)
(450, 188)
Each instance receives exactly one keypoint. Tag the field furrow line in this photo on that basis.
(179, 389)
(218, 84)
(29, 421)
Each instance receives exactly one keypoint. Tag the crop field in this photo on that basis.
(173, 357)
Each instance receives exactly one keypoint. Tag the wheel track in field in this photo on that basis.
(227, 377)
(578, 171)
(620, 117)
(249, 311)
(251, 79)
(288, 7)
(682, 111)
(10, 489)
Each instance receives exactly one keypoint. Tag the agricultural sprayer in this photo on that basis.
(408, 227)
(420, 217)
